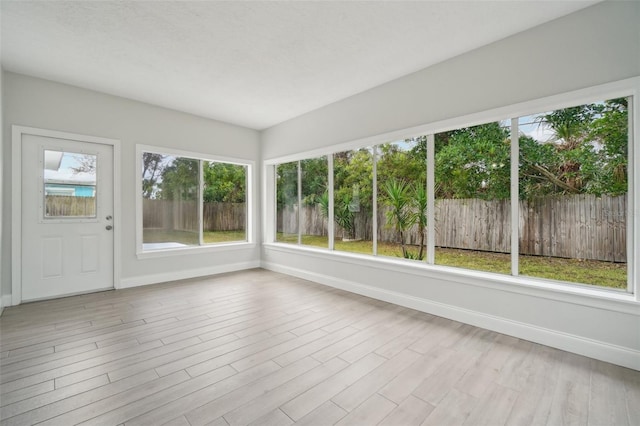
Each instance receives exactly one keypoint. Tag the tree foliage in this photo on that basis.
(180, 179)
(224, 182)
(586, 153)
(474, 162)
(152, 169)
(177, 178)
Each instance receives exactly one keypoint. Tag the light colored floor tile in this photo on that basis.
(262, 347)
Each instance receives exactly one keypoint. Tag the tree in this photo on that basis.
(86, 163)
(587, 152)
(287, 184)
(353, 183)
(345, 216)
(474, 162)
(314, 179)
(399, 215)
(152, 168)
(180, 180)
(224, 182)
(407, 207)
(610, 131)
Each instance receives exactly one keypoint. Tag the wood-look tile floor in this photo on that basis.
(261, 348)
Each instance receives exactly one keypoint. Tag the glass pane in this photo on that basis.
(573, 194)
(353, 200)
(402, 198)
(69, 184)
(287, 202)
(169, 201)
(472, 205)
(315, 202)
(224, 208)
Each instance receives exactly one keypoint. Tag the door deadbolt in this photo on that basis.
(109, 217)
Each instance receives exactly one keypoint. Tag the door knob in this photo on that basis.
(108, 227)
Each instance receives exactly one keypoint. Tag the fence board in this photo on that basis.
(62, 205)
(572, 226)
(183, 215)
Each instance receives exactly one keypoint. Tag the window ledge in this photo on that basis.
(191, 250)
(618, 301)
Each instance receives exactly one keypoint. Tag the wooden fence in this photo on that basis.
(183, 215)
(572, 226)
(63, 205)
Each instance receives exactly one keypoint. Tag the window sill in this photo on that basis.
(618, 301)
(191, 250)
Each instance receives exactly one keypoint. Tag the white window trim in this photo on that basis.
(517, 283)
(214, 247)
(597, 297)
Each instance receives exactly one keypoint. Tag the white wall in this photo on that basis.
(2, 156)
(44, 104)
(594, 46)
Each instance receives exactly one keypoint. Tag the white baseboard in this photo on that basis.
(614, 354)
(182, 275)
(4, 302)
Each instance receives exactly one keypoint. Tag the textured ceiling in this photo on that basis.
(250, 63)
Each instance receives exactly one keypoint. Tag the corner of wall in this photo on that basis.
(2, 157)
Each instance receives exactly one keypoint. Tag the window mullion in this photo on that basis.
(330, 221)
(515, 196)
(200, 203)
(431, 200)
(374, 184)
(275, 203)
(299, 203)
(633, 184)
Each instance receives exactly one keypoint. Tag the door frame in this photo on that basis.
(16, 200)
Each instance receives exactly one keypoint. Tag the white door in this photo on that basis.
(67, 217)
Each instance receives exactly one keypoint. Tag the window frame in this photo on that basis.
(515, 282)
(201, 247)
(43, 218)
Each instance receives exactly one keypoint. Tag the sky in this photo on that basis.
(66, 174)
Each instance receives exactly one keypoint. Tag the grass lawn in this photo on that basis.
(191, 238)
(593, 272)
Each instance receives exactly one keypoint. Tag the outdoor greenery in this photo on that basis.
(171, 199)
(582, 150)
(176, 178)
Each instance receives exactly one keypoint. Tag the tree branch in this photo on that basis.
(547, 174)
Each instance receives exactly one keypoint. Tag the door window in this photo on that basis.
(69, 185)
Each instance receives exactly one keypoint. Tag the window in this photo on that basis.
(287, 202)
(69, 185)
(191, 202)
(573, 181)
(472, 207)
(543, 196)
(302, 200)
(402, 198)
(224, 207)
(314, 204)
(353, 200)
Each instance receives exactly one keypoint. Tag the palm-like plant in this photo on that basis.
(419, 214)
(345, 217)
(400, 215)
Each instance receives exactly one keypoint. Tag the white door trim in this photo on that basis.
(16, 201)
